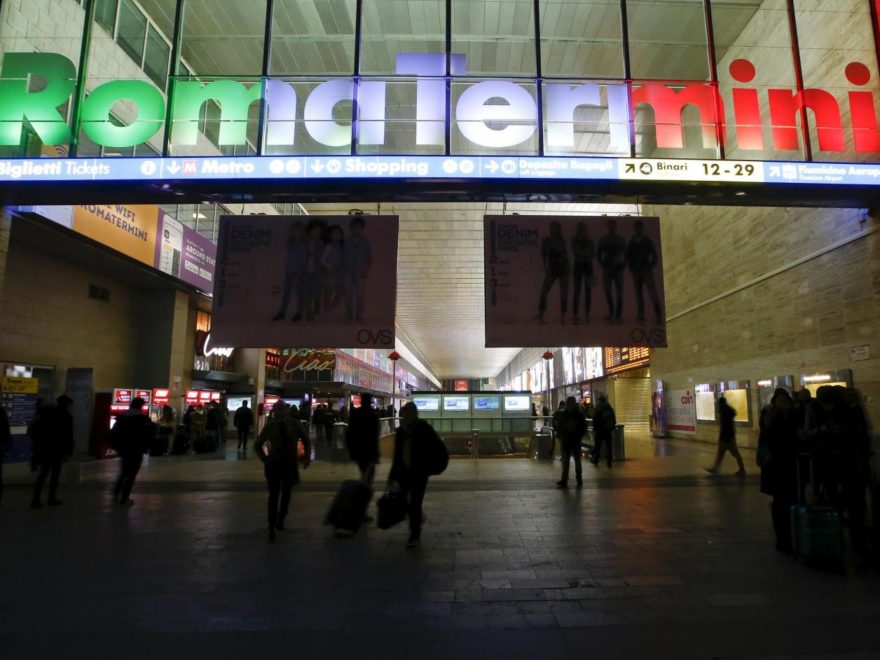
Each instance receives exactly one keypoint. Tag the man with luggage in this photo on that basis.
(276, 447)
(130, 437)
(604, 422)
(52, 433)
(572, 427)
(244, 422)
(413, 444)
(362, 438)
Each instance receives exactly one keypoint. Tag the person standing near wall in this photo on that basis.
(5, 443)
(604, 423)
(572, 427)
(727, 438)
(52, 433)
(777, 458)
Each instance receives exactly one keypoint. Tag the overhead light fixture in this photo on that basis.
(199, 216)
(818, 378)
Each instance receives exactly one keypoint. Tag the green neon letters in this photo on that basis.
(20, 103)
(96, 113)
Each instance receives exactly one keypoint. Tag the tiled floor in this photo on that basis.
(653, 559)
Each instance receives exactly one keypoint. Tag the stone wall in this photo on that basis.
(756, 293)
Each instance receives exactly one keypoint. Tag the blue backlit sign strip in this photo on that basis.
(159, 170)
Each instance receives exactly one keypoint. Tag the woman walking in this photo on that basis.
(276, 447)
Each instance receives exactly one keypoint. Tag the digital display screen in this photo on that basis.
(487, 402)
(427, 403)
(522, 402)
(456, 403)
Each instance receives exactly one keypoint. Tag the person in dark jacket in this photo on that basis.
(727, 438)
(52, 433)
(329, 420)
(215, 420)
(130, 437)
(244, 422)
(604, 422)
(409, 470)
(641, 257)
(362, 438)
(5, 442)
(777, 458)
(276, 447)
(572, 427)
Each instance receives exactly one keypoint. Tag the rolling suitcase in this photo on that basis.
(159, 443)
(181, 443)
(349, 507)
(815, 527)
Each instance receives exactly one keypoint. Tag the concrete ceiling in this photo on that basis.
(440, 303)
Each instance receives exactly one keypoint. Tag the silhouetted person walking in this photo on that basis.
(727, 437)
(130, 437)
(572, 427)
(52, 433)
(582, 250)
(5, 442)
(244, 422)
(611, 255)
(362, 438)
(641, 257)
(554, 257)
(411, 466)
(604, 422)
(276, 447)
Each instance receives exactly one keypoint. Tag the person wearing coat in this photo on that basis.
(777, 458)
(51, 431)
(362, 438)
(131, 437)
(276, 447)
(410, 468)
(572, 428)
(5, 442)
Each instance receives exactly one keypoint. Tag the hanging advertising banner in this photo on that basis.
(681, 411)
(302, 281)
(130, 230)
(573, 280)
(184, 253)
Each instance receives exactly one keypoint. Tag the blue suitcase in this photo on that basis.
(815, 528)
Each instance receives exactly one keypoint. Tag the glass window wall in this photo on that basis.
(313, 37)
(581, 39)
(392, 27)
(497, 37)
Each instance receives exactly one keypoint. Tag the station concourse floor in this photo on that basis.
(651, 559)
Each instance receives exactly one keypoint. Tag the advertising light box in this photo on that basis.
(517, 403)
(456, 403)
(487, 403)
(427, 403)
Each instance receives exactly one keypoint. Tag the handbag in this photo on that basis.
(391, 509)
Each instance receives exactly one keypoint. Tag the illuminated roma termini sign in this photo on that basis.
(35, 88)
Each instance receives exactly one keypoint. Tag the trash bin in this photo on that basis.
(618, 452)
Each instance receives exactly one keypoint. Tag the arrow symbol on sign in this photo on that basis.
(317, 167)
(630, 168)
(492, 167)
(174, 168)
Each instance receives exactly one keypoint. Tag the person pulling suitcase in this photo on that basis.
(276, 447)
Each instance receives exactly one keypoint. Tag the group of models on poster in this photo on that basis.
(323, 267)
(614, 255)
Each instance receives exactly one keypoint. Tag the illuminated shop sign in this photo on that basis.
(493, 114)
(205, 348)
